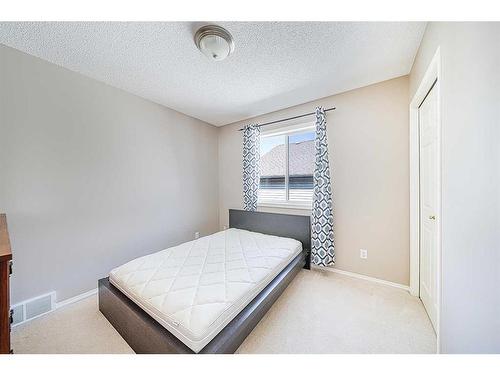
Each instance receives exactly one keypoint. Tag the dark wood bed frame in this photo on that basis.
(146, 336)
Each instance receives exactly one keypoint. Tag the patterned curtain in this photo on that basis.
(251, 159)
(322, 247)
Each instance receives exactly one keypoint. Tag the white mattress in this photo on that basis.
(195, 289)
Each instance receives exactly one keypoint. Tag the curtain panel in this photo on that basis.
(322, 242)
(251, 160)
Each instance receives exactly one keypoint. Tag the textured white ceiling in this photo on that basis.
(275, 64)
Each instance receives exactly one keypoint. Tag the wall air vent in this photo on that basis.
(33, 308)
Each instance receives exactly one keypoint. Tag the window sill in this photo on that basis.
(290, 205)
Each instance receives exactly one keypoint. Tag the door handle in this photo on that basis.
(432, 217)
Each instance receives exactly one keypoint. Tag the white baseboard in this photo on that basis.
(89, 293)
(363, 277)
(74, 299)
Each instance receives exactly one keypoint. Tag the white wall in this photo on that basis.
(368, 148)
(91, 176)
(470, 100)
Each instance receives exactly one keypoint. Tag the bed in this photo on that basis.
(206, 295)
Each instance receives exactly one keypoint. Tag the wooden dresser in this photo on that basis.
(5, 271)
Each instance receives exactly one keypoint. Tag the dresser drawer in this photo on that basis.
(5, 272)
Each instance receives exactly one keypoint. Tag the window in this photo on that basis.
(287, 167)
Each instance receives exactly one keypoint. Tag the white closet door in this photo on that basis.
(428, 122)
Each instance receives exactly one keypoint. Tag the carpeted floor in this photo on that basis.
(320, 312)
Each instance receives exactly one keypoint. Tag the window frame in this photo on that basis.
(287, 131)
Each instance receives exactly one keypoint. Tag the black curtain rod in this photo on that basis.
(289, 118)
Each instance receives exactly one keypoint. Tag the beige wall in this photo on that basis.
(91, 176)
(368, 144)
(470, 108)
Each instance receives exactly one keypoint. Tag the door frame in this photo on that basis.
(431, 76)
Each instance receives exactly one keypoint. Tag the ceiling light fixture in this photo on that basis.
(214, 41)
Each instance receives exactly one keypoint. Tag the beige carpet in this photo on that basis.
(320, 312)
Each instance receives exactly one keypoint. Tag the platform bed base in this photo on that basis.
(146, 336)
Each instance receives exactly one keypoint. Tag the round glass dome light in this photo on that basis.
(214, 42)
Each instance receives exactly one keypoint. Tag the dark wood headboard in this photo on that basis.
(297, 227)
